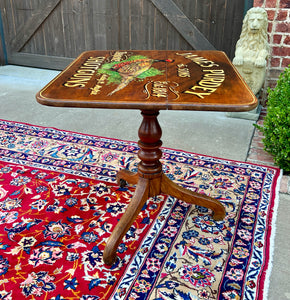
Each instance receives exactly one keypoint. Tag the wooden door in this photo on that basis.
(50, 33)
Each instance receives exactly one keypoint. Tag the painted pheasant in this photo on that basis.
(129, 70)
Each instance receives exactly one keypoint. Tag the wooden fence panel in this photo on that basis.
(183, 25)
(50, 33)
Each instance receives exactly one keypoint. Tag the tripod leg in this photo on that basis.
(131, 213)
(127, 176)
(173, 189)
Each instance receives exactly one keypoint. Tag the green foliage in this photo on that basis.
(276, 128)
(114, 77)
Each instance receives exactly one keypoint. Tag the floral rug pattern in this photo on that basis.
(59, 204)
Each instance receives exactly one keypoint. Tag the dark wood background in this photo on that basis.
(50, 33)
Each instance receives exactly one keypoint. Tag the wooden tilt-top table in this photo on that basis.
(150, 81)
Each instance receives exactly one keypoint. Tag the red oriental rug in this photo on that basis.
(59, 203)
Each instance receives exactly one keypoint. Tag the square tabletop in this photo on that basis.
(150, 80)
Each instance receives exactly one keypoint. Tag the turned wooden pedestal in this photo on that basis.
(151, 181)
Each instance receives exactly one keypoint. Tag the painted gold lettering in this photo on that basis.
(207, 79)
(209, 64)
(96, 59)
(215, 71)
(203, 62)
(183, 73)
(102, 79)
(96, 89)
(207, 89)
(200, 95)
(159, 92)
(159, 89)
(91, 64)
(183, 70)
(211, 76)
(68, 84)
(86, 71)
(78, 80)
(118, 56)
(209, 84)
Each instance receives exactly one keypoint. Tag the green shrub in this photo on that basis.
(276, 127)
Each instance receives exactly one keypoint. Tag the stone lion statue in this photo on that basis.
(252, 49)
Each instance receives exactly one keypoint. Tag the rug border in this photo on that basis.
(265, 278)
(136, 142)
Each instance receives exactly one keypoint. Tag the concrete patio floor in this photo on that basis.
(209, 133)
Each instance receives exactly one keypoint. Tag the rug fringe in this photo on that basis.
(272, 238)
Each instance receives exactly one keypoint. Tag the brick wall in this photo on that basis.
(279, 37)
